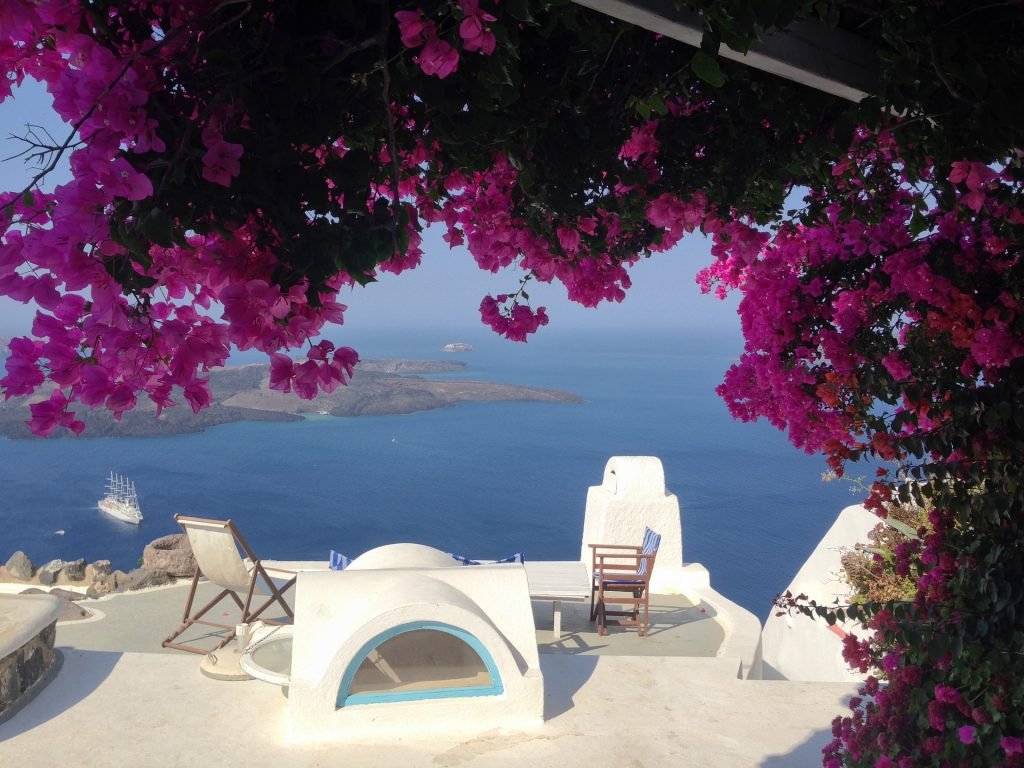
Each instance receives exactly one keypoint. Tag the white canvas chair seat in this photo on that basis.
(218, 548)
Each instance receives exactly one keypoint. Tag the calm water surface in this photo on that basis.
(480, 479)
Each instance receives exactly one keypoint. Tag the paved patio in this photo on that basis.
(138, 621)
(621, 700)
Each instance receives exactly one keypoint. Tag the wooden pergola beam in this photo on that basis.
(810, 53)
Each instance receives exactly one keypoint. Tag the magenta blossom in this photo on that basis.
(569, 239)
(966, 734)
(414, 29)
(121, 180)
(475, 35)
(281, 372)
(1012, 745)
(438, 58)
(221, 162)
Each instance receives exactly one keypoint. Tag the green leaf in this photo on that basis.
(903, 528)
(158, 228)
(707, 69)
(657, 105)
(518, 9)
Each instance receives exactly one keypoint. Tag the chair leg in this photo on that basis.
(198, 619)
(276, 596)
(191, 595)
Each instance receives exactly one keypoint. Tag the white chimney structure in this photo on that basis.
(632, 497)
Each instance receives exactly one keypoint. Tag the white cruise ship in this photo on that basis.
(121, 500)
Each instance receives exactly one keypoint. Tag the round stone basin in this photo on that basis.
(270, 658)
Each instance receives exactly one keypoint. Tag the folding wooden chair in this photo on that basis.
(622, 576)
(216, 545)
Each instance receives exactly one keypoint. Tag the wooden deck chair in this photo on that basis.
(216, 545)
(622, 577)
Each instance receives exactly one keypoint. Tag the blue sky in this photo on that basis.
(445, 291)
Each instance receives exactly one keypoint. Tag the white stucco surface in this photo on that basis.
(742, 643)
(632, 496)
(800, 648)
(337, 613)
(154, 710)
(403, 555)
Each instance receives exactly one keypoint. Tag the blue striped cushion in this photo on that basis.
(515, 558)
(338, 562)
(651, 543)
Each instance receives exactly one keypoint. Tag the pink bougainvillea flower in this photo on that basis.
(305, 379)
(1012, 745)
(281, 371)
(569, 239)
(121, 180)
(414, 29)
(476, 36)
(438, 58)
(49, 414)
(896, 367)
(197, 395)
(960, 171)
(347, 358)
(641, 142)
(966, 734)
(221, 162)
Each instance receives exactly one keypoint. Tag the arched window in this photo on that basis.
(420, 660)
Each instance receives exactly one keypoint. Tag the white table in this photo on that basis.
(558, 581)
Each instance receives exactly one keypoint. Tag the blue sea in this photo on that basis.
(481, 479)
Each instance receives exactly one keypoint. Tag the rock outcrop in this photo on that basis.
(172, 554)
(19, 566)
(47, 574)
(143, 578)
(72, 571)
(97, 578)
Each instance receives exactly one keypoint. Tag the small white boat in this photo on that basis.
(121, 500)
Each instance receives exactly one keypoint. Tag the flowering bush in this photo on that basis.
(236, 167)
(881, 570)
(256, 160)
(896, 333)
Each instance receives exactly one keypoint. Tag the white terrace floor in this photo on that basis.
(119, 699)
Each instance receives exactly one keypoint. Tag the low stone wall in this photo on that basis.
(23, 668)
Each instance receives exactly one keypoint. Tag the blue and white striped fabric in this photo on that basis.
(651, 543)
(516, 558)
(338, 561)
(463, 559)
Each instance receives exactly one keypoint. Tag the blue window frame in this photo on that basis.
(398, 665)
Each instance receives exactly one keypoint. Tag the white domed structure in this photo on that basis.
(406, 639)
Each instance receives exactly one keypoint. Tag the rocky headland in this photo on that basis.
(242, 393)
